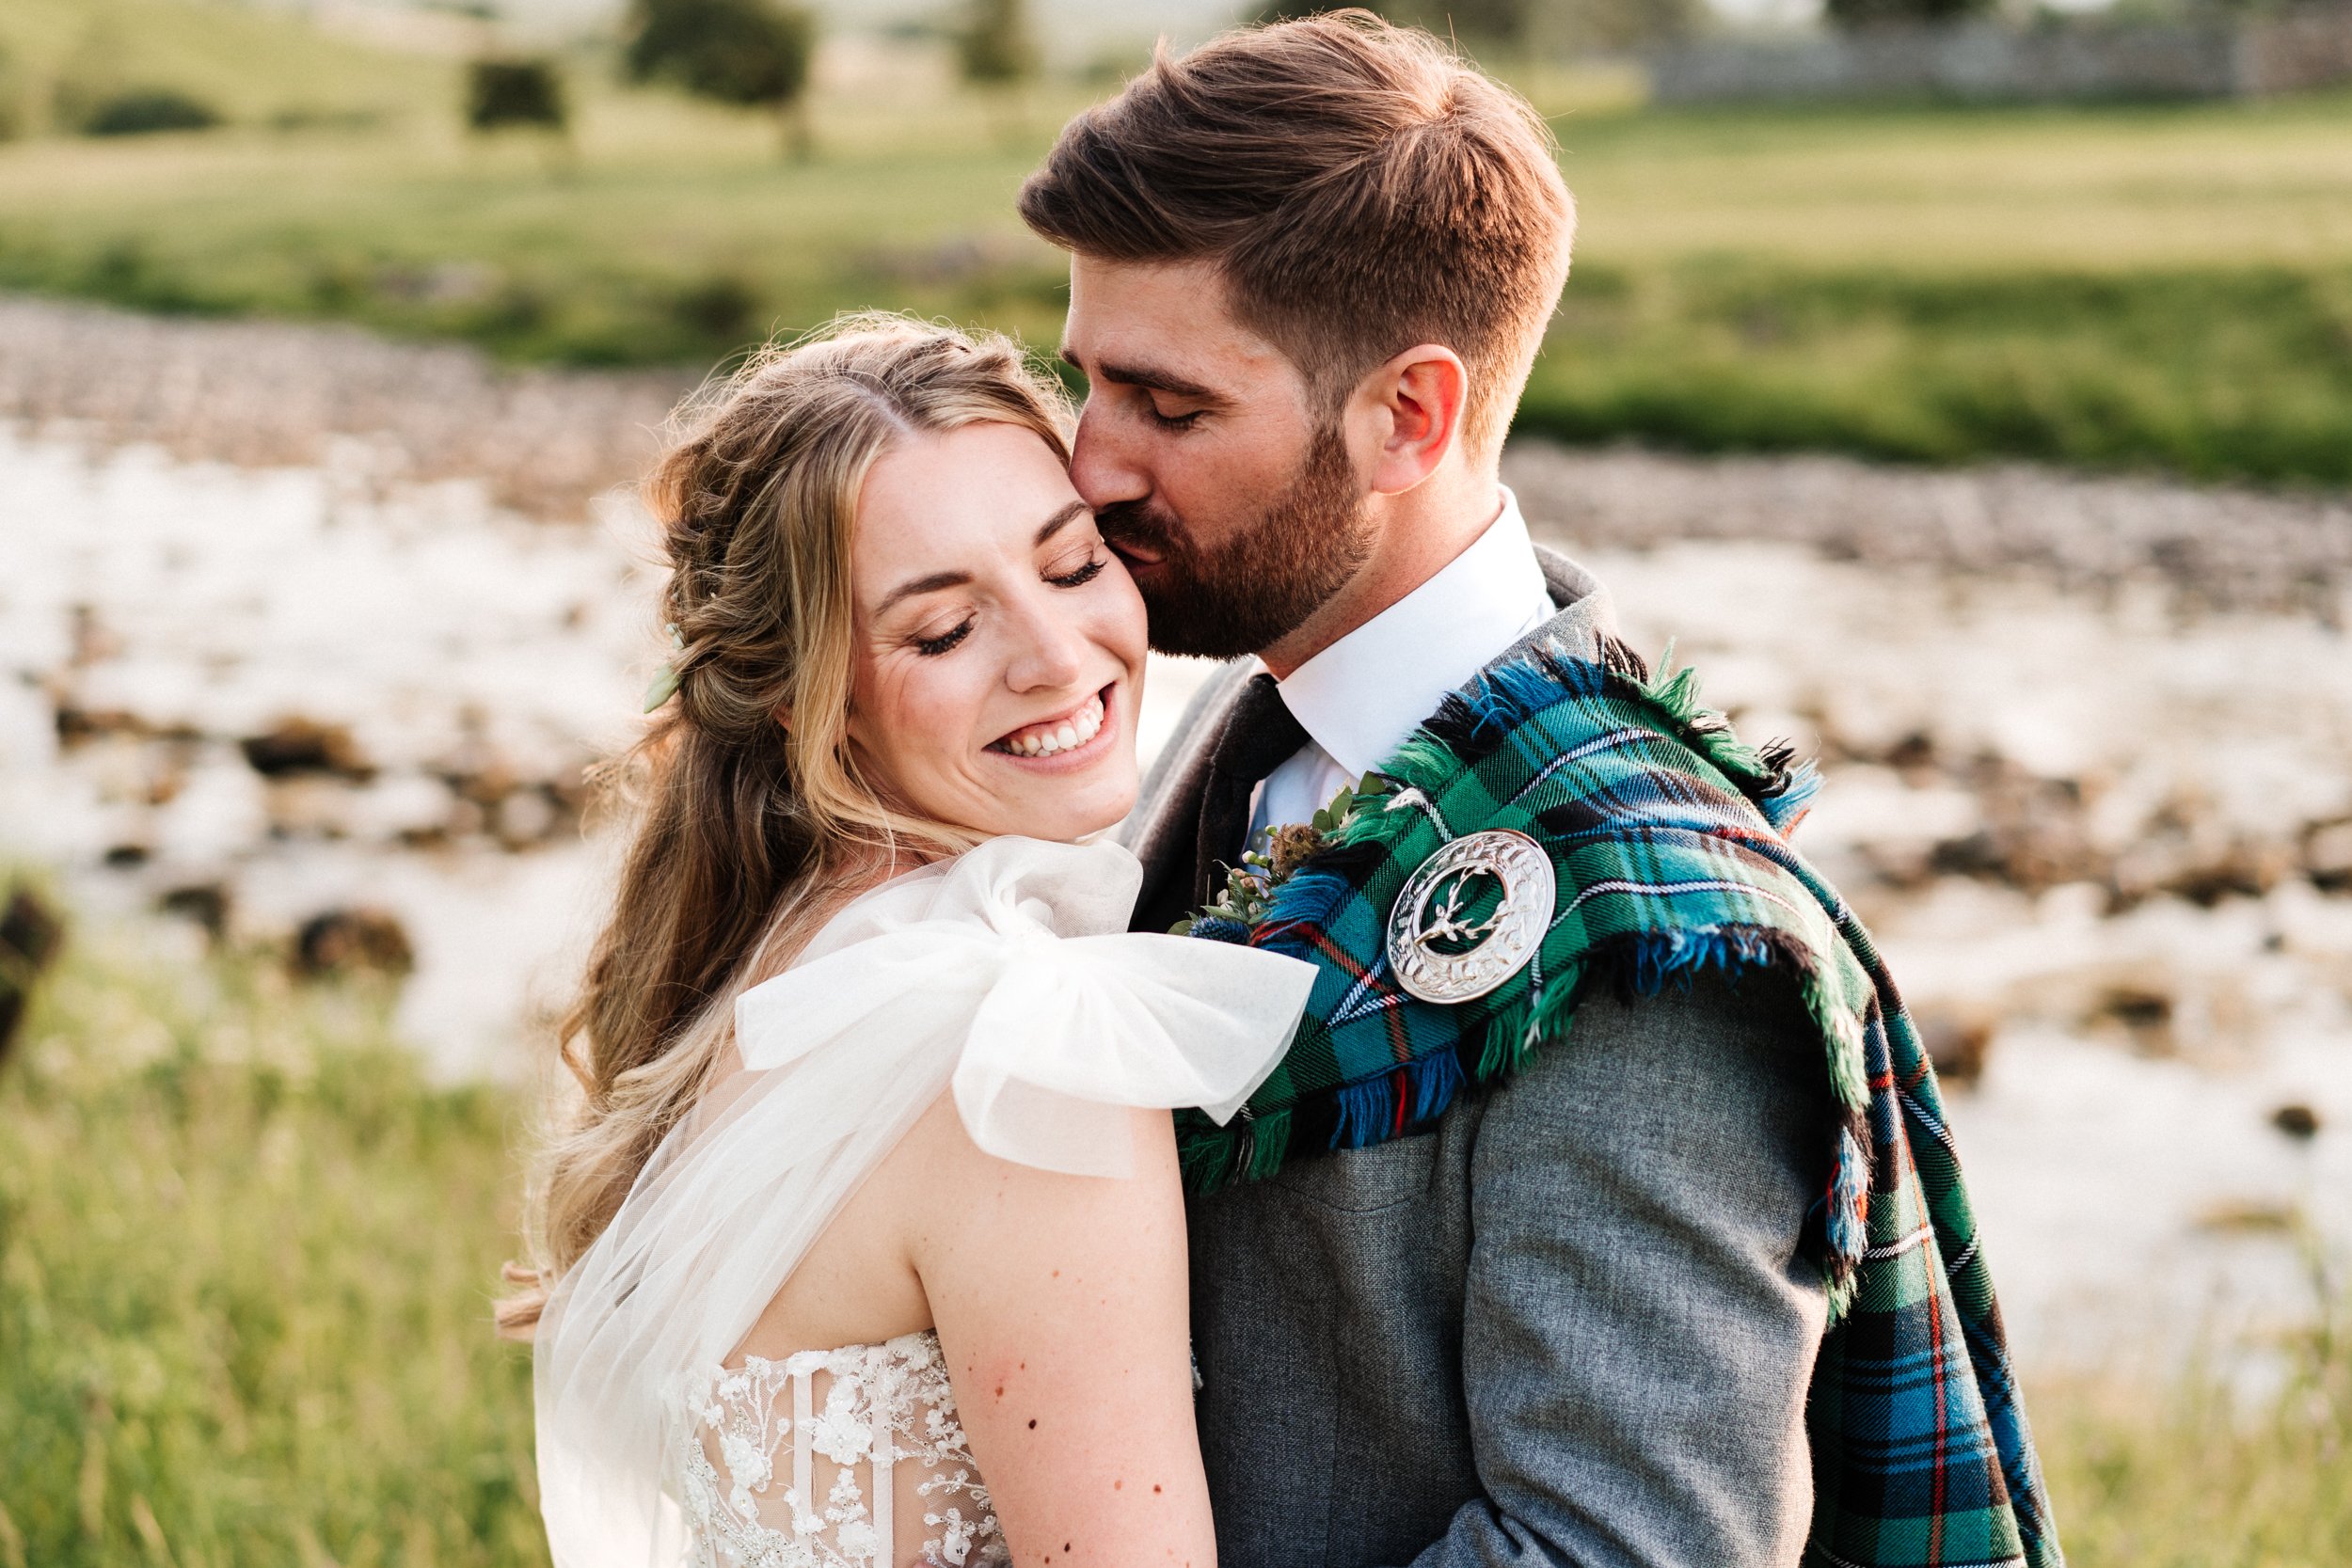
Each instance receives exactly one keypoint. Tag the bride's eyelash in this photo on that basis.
(932, 647)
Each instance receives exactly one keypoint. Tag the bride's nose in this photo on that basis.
(1050, 651)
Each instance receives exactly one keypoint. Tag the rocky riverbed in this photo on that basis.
(308, 640)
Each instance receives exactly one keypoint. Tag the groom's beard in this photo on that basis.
(1264, 583)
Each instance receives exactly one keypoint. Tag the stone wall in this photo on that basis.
(2304, 48)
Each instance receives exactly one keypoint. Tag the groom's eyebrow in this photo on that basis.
(1144, 375)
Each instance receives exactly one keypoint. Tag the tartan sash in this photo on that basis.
(1667, 838)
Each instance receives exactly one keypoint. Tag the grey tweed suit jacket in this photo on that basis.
(1571, 1324)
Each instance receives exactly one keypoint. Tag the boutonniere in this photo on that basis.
(1249, 887)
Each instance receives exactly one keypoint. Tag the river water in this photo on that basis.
(2102, 824)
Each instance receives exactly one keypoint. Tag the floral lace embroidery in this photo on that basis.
(889, 1404)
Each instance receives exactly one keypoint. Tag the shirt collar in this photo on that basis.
(1360, 698)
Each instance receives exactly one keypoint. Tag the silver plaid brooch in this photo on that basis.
(1440, 948)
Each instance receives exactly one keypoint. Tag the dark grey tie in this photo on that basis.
(1259, 734)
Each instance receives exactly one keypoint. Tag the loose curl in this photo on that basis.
(756, 822)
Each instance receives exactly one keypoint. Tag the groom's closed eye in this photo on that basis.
(1172, 422)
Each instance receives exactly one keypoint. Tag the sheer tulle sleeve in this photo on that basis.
(1006, 974)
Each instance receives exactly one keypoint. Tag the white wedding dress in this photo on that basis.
(1007, 974)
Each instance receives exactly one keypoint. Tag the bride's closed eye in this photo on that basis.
(932, 647)
(1080, 577)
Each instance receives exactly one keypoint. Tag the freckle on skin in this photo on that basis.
(1156, 1487)
(1033, 1424)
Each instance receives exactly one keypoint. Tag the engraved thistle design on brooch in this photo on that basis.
(1471, 917)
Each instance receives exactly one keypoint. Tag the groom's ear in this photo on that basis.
(1413, 404)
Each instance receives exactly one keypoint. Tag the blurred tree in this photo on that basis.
(504, 93)
(1503, 23)
(12, 105)
(1571, 28)
(143, 110)
(1856, 14)
(994, 46)
(754, 53)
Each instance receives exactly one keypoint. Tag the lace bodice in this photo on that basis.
(851, 1458)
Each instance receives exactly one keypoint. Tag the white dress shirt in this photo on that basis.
(1361, 697)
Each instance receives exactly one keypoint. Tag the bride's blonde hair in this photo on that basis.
(755, 820)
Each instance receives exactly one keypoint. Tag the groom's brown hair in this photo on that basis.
(1360, 186)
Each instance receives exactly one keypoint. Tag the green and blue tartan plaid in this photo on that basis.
(1668, 839)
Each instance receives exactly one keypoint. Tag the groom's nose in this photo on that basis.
(1105, 466)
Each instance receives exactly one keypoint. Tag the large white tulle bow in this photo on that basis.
(1007, 974)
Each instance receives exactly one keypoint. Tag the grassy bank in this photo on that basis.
(246, 1256)
(2194, 1478)
(2166, 287)
(2213, 373)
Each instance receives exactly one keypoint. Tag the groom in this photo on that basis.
(1569, 1312)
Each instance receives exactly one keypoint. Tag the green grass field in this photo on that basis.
(2134, 286)
(246, 1256)
(245, 1264)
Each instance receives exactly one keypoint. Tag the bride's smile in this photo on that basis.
(1066, 738)
(1000, 642)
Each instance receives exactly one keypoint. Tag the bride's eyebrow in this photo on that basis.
(931, 584)
(937, 580)
(1061, 520)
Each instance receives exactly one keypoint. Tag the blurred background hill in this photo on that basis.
(2135, 284)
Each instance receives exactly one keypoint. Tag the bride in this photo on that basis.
(862, 1243)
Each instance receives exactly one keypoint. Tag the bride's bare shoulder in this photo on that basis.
(953, 1187)
(1063, 1318)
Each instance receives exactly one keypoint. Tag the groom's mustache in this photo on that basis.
(1136, 529)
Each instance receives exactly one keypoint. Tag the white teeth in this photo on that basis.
(1076, 730)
